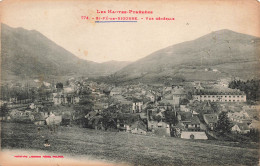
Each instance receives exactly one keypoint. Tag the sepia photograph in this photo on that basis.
(130, 83)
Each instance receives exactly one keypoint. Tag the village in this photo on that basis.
(186, 110)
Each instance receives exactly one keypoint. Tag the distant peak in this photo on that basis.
(225, 30)
(5, 25)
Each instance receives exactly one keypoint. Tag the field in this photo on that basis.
(128, 148)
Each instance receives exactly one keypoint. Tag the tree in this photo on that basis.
(158, 118)
(171, 117)
(224, 125)
(184, 102)
(85, 92)
(254, 135)
(4, 110)
(250, 87)
(86, 102)
(189, 95)
(59, 85)
(108, 120)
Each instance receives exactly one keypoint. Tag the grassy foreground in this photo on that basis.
(125, 147)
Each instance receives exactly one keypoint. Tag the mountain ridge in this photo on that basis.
(28, 53)
(189, 59)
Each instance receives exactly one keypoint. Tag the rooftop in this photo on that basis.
(225, 91)
(210, 118)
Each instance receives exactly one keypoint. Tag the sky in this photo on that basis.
(61, 22)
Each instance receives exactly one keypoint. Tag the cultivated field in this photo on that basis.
(127, 148)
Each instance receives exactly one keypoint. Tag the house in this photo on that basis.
(254, 125)
(5, 118)
(72, 98)
(143, 92)
(228, 95)
(167, 98)
(178, 93)
(53, 120)
(166, 89)
(194, 113)
(151, 112)
(122, 125)
(59, 98)
(224, 82)
(240, 128)
(239, 117)
(32, 106)
(121, 100)
(116, 91)
(192, 124)
(194, 135)
(138, 130)
(151, 96)
(21, 116)
(138, 127)
(137, 107)
(184, 108)
(67, 89)
(182, 116)
(159, 128)
(15, 113)
(124, 120)
(197, 85)
(211, 120)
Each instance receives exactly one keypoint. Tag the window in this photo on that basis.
(225, 96)
(213, 96)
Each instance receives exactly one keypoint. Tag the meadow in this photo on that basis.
(127, 148)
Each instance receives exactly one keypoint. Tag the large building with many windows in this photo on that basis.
(220, 96)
